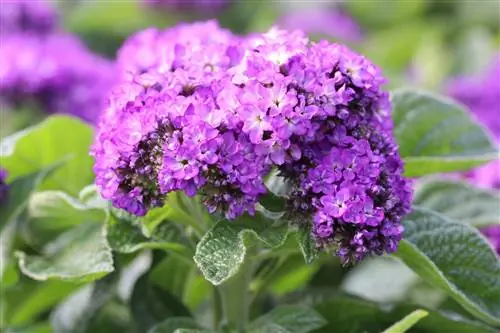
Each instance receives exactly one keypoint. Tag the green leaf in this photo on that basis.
(456, 258)
(35, 299)
(171, 274)
(459, 201)
(36, 328)
(437, 135)
(126, 236)
(407, 322)
(81, 254)
(151, 305)
(171, 325)
(307, 245)
(389, 280)
(289, 318)
(76, 313)
(57, 209)
(58, 138)
(20, 191)
(345, 313)
(221, 251)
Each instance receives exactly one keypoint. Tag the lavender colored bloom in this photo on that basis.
(4, 189)
(190, 5)
(481, 94)
(321, 21)
(333, 130)
(33, 16)
(493, 235)
(56, 71)
(216, 122)
(183, 45)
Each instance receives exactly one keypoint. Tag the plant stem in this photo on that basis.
(217, 308)
(235, 296)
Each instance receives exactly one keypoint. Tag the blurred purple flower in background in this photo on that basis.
(323, 21)
(493, 235)
(53, 70)
(33, 16)
(190, 5)
(482, 95)
(4, 188)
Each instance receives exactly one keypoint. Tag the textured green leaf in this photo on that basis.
(58, 210)
(171, 325)
(459, 201)
(456, 258)
(437, 135)
(58, 138)
(221, 251)
(80, 254)
(125, 235)
(292, 319)
(345, 313)
(307, 245)
(151, 305)
(407, 322)
(20, 191)
(76, 313)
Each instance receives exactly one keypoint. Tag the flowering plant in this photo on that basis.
(221, 160)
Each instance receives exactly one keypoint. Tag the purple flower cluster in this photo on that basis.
(4, 189)
(27, 16)
(327, 22)
(190, 5)
(56, 71)
(217, 121)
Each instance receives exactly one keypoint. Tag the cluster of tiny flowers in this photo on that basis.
(189, 5)
(166, 129)
(27, 16)
(327, 127)
(482, 95)
(194, 46)
(4, 189)
(216, 122)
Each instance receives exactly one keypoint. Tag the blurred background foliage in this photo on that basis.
(418, 43)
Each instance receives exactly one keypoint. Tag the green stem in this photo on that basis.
(235, 296)
(217, 308)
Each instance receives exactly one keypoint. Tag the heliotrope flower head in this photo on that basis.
(325, 122)
(216, 125)
(164, 131)
(4, 188)
(33, 16)
(34, 68)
